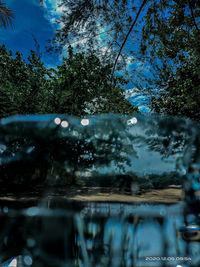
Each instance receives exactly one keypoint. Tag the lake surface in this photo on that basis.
(61, 233)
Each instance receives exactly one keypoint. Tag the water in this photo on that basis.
(99, 191)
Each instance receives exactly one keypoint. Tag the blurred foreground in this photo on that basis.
(99, 191)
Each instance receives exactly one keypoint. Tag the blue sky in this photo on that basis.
(32, 20)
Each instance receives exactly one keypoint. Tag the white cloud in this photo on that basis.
(54, 7)
(133, 92)
(60, 9)
(137, 98)
(54, 10)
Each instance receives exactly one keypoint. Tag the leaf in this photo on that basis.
(6, 15)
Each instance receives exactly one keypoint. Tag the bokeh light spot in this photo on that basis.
(57, 121)
(5, 209)
(64, 124)
(28, 260)
(32, 211)
(85, 122)
(132, 121)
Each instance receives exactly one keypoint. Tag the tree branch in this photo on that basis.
(95, 35)
(88, 37)
(131, 28)
(193, 17)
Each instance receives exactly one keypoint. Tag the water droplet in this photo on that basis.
(89, 244)
(132, 121)
(181, 169)
(83, 213)
(5, 209)
(32, 211)
(30, 149)
(93, 229)
(190, 218)
(64, 124)
(85, 122)
(30, 242)
(75, 133)
(2, 148)
(57, 121)
(5, 240)
(28, 260)
(162, 212)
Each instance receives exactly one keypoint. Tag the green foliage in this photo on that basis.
(101, 27)
(181, 96)
(130, 182)
(114, 17)
(82, 85)
(172, 36)
(6, 15)
(78, 86)
(24, 86)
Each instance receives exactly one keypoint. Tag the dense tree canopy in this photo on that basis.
(172, 36)
(79, 86)
(101, 26)
(24, 86)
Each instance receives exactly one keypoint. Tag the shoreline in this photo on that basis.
(169, 195)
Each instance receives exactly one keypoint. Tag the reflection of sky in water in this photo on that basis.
(151, 162)
(122, 232)
(147, 238)
(146, 160)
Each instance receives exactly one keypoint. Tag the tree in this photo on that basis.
(24, 85)
(82, 85)
(27, 87)
(169, 43)
(79, 86)
(36, 148)
(177, 52)
(105, 27)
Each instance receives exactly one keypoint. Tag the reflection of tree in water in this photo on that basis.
(168, 135)
(35, 150)
(38, 148)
